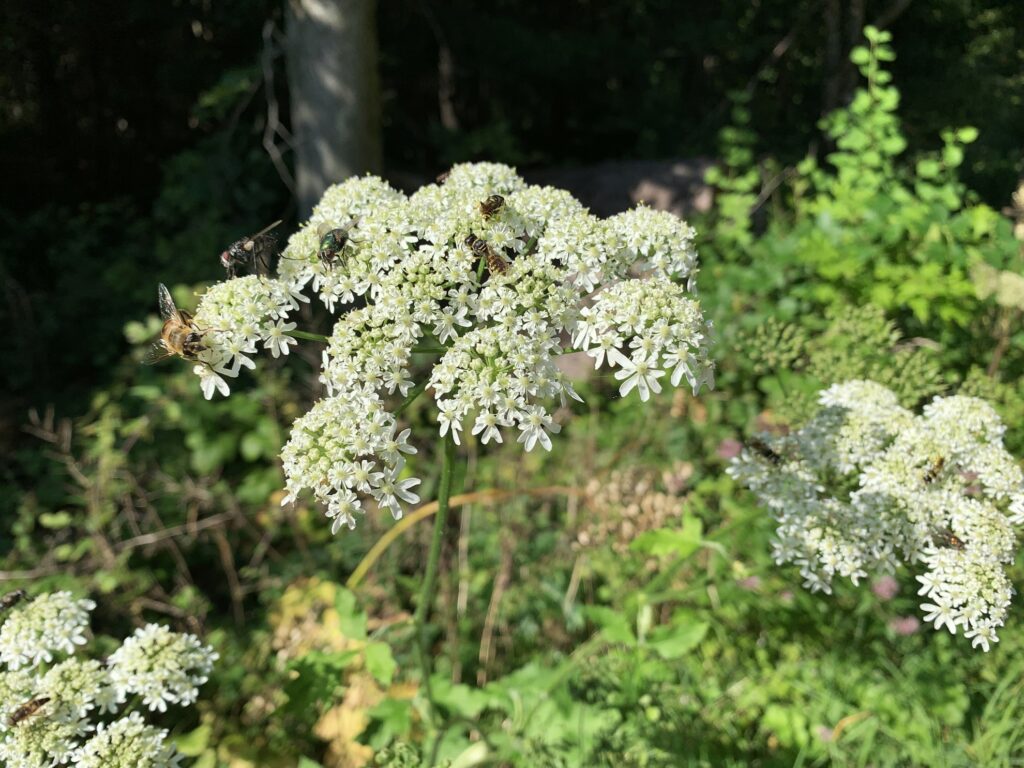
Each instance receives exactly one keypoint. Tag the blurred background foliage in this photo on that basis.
(628, 613)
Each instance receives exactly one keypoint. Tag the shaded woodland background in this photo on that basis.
(133, 132)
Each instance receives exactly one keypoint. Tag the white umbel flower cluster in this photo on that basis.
(492, 277)
(57, 708)
(866, 486)
(127, 743)
(236, 316)
(161, 666)
(53, 623)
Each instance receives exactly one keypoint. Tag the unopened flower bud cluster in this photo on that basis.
(550, 278)
(58, 708)
(867, 486)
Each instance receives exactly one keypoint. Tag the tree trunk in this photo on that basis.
(334, 92)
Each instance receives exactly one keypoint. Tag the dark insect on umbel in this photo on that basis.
(443, 177)
(492, 205)
(11, 599)
(254, 252)
(25, 711)
(765, 451)
(495, 262)
(931, 474)
(946, 538)
(332, 242)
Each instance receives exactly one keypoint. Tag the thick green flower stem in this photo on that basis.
(307, 336)
(430, 577)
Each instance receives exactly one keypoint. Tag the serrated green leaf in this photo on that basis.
(351, 620)
(380, 663)
(613, 624)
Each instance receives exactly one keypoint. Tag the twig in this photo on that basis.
(35, 573)
(273, 127)
(212, 521)
(501, 580)
(574, 583)
(227, 560)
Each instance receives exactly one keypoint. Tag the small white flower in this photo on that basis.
(535, 424)
(638, 374)
(277, 341)
(210, 381)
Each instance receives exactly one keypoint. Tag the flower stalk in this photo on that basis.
(422, 615)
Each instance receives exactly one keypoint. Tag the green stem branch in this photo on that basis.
(420, 618)
(411, 397)
(296, 334)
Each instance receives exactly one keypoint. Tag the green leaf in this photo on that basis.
(459, 698)
(394, 717)
(305, 762)
(193, 743)
(54, 520)
(952, 155)
(351, 620)
(860, 55)
(928, 168)
(251, 446)
(380, 663)
(613, 624)
(968, 134)
(679, 639)
(670, 541)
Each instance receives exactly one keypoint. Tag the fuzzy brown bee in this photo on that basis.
(946, 538)
(765, 451)
(25, 711)
(495, 262)
(332, 241)
(11, 599)
(931, 474)
(179, 337)
(255, 251)
(443, 177)
(492, 205)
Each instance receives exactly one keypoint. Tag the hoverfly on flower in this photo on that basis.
(179, 337)
(762, 449)
(934, 468)
(496, 263)
(27, 710)
(11, 599)
(491, 205)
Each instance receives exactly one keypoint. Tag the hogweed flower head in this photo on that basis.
(161, 666)
(867, 486)
(35, 630)
(58, 708)
(495, 278)
(127, 743)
